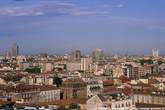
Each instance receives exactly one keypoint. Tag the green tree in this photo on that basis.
(57, 81)
(34, 70)
(160, 62)
(62, 108)
(143, 61)
(74, 107)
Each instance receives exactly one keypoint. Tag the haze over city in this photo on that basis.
(82, 55)
(57, 26)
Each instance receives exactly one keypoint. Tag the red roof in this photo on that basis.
(58, 102)
(108, 83)
(124, 79)
(110, 89)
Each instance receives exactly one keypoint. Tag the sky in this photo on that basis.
(57, 26)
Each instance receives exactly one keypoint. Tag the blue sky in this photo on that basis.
(57, 26)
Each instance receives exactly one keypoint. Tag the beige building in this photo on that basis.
(46, 66)
(38, 79)
(74, 88)
(157, 98)
(32, 93)
(110, 101)
(73, 66)
(148, 94)
(85, 63)
(49, 93)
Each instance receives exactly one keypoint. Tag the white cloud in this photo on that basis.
(112, 6)
(120, 6)
(31, 10)
(47, 9)
(139, 22)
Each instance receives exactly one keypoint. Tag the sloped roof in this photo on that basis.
(114, 95)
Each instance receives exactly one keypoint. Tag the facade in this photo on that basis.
(129, 70)
(85, 63)
(75, 55)
(15, 50)
(38, 79)
(155, 52)
(32, 93)
(46, 66)
(156, 98)
(145, 70)
(97, 55)
(49, 93)
(94, 88)
(132, 70)
(22, 93)
(110, 101)
(24, 65)
(74, 88)
(73, 66)
(148, 93)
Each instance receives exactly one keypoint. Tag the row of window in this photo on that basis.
(158, 100)
(127, 104)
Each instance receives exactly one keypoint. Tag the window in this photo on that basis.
(119, 105)
(129, 104)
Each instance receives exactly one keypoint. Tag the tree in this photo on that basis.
(57, 81)
(34, 70)
(143, 61)
(62, 108)
(160, 62)
(74, 107)
(147, 75)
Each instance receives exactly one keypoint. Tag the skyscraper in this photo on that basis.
(85, 63)
(14, 50)
(97, 55)
(155, 52)
(75, 55)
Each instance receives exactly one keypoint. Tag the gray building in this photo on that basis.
(14, 50)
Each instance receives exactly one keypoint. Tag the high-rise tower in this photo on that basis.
(155, 52)
(97, 55)
(14, 50)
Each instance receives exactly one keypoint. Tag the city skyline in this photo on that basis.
(14, 50)
(82, 54)
(55, 26)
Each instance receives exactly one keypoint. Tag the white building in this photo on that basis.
(49, 94)
(97, 55)
(110, 101)
(93, 88)
(24, 65)
(46, 66)
(38, 79)
(85, 63)
(155, 52)
(73, 66)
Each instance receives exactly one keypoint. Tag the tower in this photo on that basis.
(97, 55)
(155, 52)
(85, 63)
(75, 55)
(14, 50)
